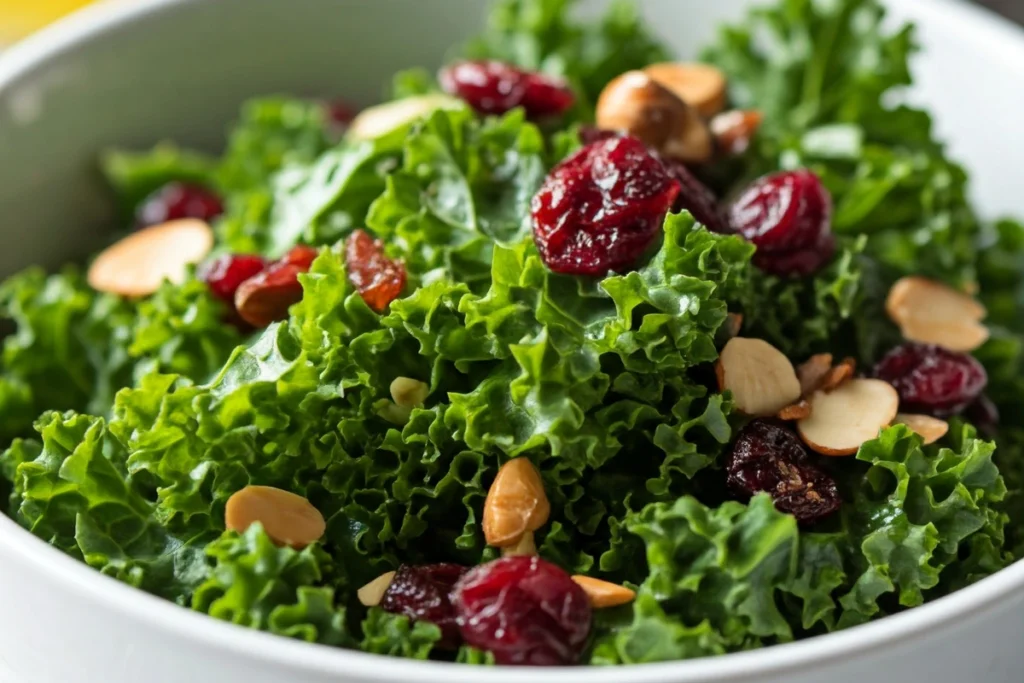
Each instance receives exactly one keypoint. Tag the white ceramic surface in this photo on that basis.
(135, 72)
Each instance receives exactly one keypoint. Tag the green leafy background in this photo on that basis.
(130, 423)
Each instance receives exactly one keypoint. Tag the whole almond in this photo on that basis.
(266, 297)
(287, 518)
(137, 265)
(930, 312)
(702, 86)
(372, 593)
(813, 372)
(929, 428)
(604, 593)
(760, 377)
(516, 504)
(843, 419)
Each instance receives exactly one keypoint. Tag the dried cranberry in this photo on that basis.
(175, 201)
(523, 610)
(340, 113)
(769, 458)
(496, 88)
(378, 279)
(266, 297)
(984, 415)
(788, 216)
(225, 274)
(600, 209)
(422, 593)
(931, 379)
(696, 197)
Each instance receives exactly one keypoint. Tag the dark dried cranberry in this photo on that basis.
(175, 201)
(523, 610)
(931, 379)
(225, 274)
(984, 415)
(799, 262)
(378, 279)
(340, 113)
(788, 216)
(422, 593)
(770, 458)
(497, 88)
(600, 209)
(696, 197)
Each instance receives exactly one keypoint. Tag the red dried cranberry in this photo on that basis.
(984, 415)
(422, 593)
(523, 610)
(301, 256)
(600, 209)
(696, 197)
(340, 113)
(769, 458)
(788, 216)
(175, 201)
(931, 379)
(266, 297)
(378, 279)
(225, 274)
(497, 88)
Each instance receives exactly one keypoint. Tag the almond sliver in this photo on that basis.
(843, 419)
(137, 265)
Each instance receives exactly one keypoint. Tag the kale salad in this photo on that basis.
(568, 353)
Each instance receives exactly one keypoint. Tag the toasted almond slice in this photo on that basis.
(604, 593)
(797, 411)
(138, 264)
(760, 377)
(524, 546)
(516, 504)
(700, 85)
(287, 518)
(734, 130)
(929, 428)
(842, 420)
(382, 119)
(960, 335)
(733, 324)
(813, 372)
(930, 312)
(409, 393)
(835, 377)
(372, 593)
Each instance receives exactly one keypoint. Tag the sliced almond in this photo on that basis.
(843, 419)
(760, 377)
(138, 264)
(835, 377)
(797, 411)
(735, 130)
(287, 518)
(929, 428)
(526, 546)
(409, 393)
(701, 86)
(636, 104)
(372, 593)
(382, 119)
(516, 504)
(812, 372)
(930, 312)
(604, 593)
(733, 324)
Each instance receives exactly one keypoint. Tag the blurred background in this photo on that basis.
(20, 17)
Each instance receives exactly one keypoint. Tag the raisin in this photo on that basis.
(225, 274)
(523, 610)
(175, 201)
(497, 88)
(696, 197)
(378, 279)
(266, 297)
(769, 458)
(931, 379)
(602, 208)
(788, 217)
(423, 593)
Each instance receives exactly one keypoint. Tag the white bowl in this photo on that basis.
(134, 72)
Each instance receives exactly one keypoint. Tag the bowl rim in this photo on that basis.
(92, 23)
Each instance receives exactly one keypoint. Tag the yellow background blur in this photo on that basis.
(20, 17)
